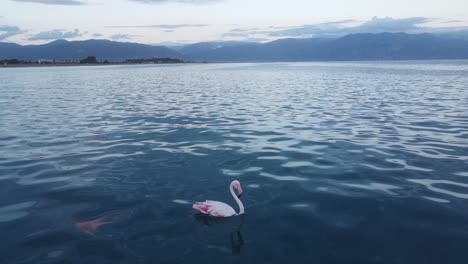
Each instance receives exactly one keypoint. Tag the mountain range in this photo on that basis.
(75, 50)
(382, 46)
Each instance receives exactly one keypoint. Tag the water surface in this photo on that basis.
(340, 163)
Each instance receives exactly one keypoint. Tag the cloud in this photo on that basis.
(453, 21)
(236, 34)
(337, 28)
(54, 2)
(97, 35)
(193, 2)
(388, 24)
(255, 40)
(122, 36)
(340, 28)
(9, 31)
(164, 26)
(56, 34)
(173, 43)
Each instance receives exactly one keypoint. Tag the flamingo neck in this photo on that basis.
(238, 201)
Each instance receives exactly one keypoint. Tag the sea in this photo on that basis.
(340, 162)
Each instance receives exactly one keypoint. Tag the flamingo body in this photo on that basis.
(215, 208)
(220, 209)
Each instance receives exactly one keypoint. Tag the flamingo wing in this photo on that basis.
(215, 208)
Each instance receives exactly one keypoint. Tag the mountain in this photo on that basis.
(382, 46)
(279, 50)
(456, 34)
(394, 46)
(206, 47)
(74, 50)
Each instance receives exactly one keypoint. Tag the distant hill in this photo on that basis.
(383, 46)
(395, 46)
(200, 48)
(279, 50)
(102, 49)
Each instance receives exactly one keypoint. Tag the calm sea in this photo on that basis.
(339, 162)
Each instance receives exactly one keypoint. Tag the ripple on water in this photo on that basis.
(437, 200)
(240, 172)
(433, 186)
(407, 166)
(272, 158)
(300, 205)
(375, 186)
(329, 145)
(283, 178)
(55, 254)
(181, 202)
(15, 211)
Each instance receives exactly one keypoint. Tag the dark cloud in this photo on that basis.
(9, 31)
(56, 34)
(194, 2)
(164, 26)
(54, 2)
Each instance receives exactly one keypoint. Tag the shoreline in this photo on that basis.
(33, 65)
(36, 65)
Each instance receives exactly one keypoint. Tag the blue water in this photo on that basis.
(339, 162)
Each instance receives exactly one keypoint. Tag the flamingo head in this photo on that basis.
(236, 184)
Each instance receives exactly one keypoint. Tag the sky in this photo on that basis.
(188, 21)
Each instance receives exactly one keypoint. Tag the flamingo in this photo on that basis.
(219, 209)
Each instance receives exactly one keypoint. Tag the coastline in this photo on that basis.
(45, 65)
(36, 65)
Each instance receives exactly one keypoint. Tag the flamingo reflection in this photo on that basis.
(90, 227)
(234, 223)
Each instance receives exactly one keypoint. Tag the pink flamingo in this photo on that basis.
(219, 209)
